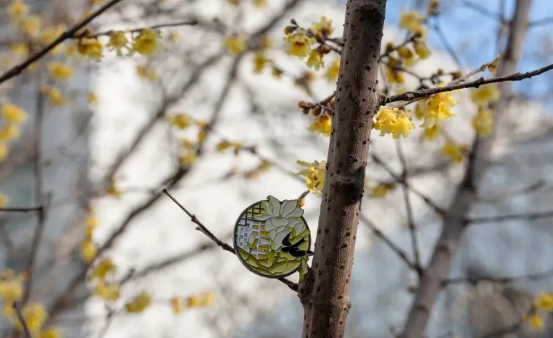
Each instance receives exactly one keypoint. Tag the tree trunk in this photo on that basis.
(324, 292)
(454, 223)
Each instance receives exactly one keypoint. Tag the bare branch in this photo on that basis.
(16, 70)
(506, 218)
(407, 96)
(29, 209)
(502, 280)
(28, 333)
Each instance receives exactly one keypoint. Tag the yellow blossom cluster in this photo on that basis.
(314, 174)
(12, 118)
(34, 314)
(260, 59)
(88, 248)
(483, 121)
(322, 123)
(188, 150)
(414, 22)
(406, 54)
(393, 121)
(179, 304)
(543, 304)
(300, 41)
(224, 145)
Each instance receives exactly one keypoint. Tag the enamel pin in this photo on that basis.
(272, 239)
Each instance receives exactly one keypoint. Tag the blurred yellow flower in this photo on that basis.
(322, 124)
(393, 121)
(299, 43)
(139, 303)
(381, 190)
(52, 332)
(118, 41)
(146, 43)
(35, 316)
(315, 60)
(236, 44)
(10, 132)
(30, 25)
(88, 251)
(107, 291)
(453, 151)
(332, 71)
(483, 122)
(13, 113)
(60, 71)
(55, 97)
(180, 121)
(11, 290)
(544, 301)
(17, 9)
(105, 267)
(485, 94)
(201, 300)
(90, 47)
(176, 305)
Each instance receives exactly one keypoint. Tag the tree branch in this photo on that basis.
(407, 96)
(506, 218)
(455, 219)
(16, 70)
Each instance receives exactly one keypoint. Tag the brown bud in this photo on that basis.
(323, 49)
(456, 75)
(440, 72)
(293, 22)
(305, 111)
(316, 111)
(289, 29)
(305, 104)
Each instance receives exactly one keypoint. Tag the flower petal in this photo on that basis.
(267, 207)
(287, 207)
(269, 225)
(299, 227)
(263, 217)
(297, 212)
(279, 237)
(280, 221)
(275, 205)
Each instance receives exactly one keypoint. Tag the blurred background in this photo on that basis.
(99, 145)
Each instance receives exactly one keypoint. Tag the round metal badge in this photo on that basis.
(271, 238)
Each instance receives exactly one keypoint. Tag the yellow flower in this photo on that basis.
(333, 71)
(107, 291)
(483, 122)
(234, 2)
(431, 133)
(188, 158)
(381, 190)
(187, 144)
(91, 223)
(35, 316)
(322, 124)
(104, 268)
(59, 71)
(181, 121)
(535, 321)
(139, 303)
(492, 67)
(146, 43)
(323, 27)
(17, 9)
(315, 60)
(55, 97)
(90, 47)
(314, 175)
(91, 98)
(4, 200)
(422, 51)
(146, 73)
(52, 332)
(201, 300)
(20, 48)
(453, 151)
(259, 62)
(236, 44)
(544, 301)
(413, 22)
(407, 55)
(176, 305)
(88, 251)
(485, 94)
(436, 108)
(118, 41)
(50, 34)
(260, 3)
(299, 44)
(113, 190)
(30, 25)
(3, 151)
(393, 75)
(222, 146)
(13, 113)
(9, 132)
(393, 121)
(202, 135)
(11, 290)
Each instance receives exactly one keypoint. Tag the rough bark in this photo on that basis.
(455, 220)
(324, 292)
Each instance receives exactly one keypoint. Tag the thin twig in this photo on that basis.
(29, 209)
(137, 30)
(502, 280)
(369, 224)
(482, 10)
(26, 329)
(16, 70)
(407, 96)
(409, 209)
(505, 218)
(203, 229)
